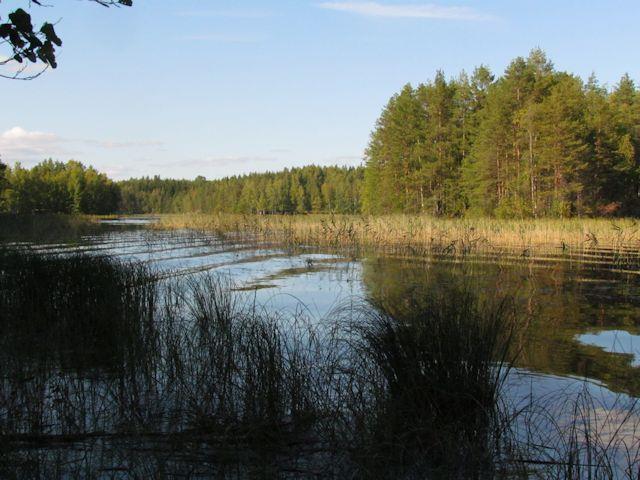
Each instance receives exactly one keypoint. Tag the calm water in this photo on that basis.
(580, 318)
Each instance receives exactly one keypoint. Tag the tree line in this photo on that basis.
(535, 142)
(57, 187)
(310, 189)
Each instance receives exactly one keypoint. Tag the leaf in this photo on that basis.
(22, 21)
(15, 39)
(50, 33)
(5, 30)
(34, 42)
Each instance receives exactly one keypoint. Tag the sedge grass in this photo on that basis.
(193, 377)
(421, 233)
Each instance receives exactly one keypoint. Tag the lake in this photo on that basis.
(578, 332)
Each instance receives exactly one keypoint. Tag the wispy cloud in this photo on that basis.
(111, 144)
(19, 144)
(208, 162)
(223, 38)
(429, 11)
(10, 68)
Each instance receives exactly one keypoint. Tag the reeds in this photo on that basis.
(433, 371)
(78, 309)
(422, 234)
(184, 375)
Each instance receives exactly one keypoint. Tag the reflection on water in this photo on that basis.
(580, 320)
(130, 221)
(556, 302)
(562, 301)
(614, 341)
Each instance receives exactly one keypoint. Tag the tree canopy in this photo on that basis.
(534, 142)
(297, 190)
(57, 187)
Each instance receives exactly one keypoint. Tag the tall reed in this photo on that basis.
(423, 234)
(429, 384)
(170, 377)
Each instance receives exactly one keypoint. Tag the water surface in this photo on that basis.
(580, 330)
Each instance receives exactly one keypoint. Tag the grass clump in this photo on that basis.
(75, 309)
(431, 383)
(190, 376)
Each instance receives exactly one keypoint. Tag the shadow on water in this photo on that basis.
(107, 371)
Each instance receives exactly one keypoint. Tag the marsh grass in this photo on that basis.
(76, 309)
(617, 240)
(433, 371)
(170, 377)
(577, 434)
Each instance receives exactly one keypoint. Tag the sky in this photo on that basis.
(216, 88)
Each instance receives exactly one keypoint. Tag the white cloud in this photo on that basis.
(431, 11)
(110, 144)
(9, 68)
(19, 134)
(18, 144)
(216, 162)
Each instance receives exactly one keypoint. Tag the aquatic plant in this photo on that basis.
(166, 377)
(433, 370)
(421, 234)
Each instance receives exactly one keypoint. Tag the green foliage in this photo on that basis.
(299, 190)
(535, 142)
(532, 143)
(56, 187)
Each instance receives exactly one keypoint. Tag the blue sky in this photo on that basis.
(216, 88)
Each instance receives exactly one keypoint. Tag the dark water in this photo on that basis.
(580, 319)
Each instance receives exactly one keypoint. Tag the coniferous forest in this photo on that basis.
(535, 142)
(309, 189)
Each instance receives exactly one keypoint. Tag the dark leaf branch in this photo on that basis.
(36, 45)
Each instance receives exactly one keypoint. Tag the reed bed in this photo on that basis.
(422, 234)
(107, 371)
